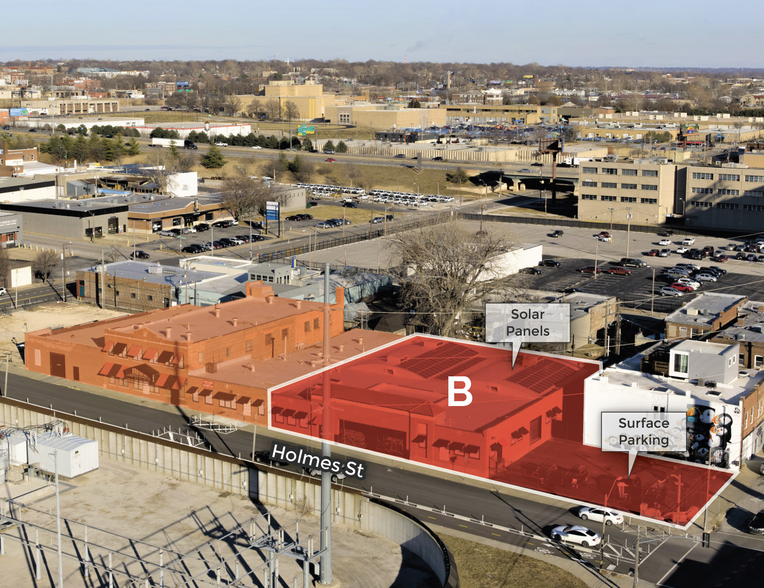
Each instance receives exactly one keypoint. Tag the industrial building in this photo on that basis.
(76, 219)
(385, 116)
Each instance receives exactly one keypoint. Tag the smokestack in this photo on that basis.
(269, 299)
(188, 337)
(298, 304)
(217, 312)
(168, 332)
(235, 321)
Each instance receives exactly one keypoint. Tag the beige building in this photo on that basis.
(78, 105)
(484, 114)
(384, 116)
(730, 196)
(609, 191)
(310, 99)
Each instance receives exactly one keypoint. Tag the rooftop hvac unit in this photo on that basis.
(692, 311)
(711, 384)
(741, 337)
(701, 381)
(155, 269)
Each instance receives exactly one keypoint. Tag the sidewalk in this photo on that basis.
(581, 569)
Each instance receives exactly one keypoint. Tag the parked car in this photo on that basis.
(669, 291)
(756, 526)
(530, 270)
(218, 244)
(324, 225)
(167, 234)
(192, 249)
(590, 269)
(221, 144)
(688, 282)
(653, 253)
(264, 456)
(682, 250)
(376, 220)
(689, 241)
(550, 263)
(721, 258)
(664, 242)
(664, 253)
(139, 255)
(717, 269)
(576, 534)
(257, 238)
(400, 156)
(243, 238)
(681, 287)
(558, 233)
(705, 277)
(201, 227)
(632, 262)
(751, 257)
(349, 204)
(237, 241)
(598, 513)
(618, 271)
(317, 473)
(331, 160)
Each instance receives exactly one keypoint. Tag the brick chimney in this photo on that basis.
(168, 332)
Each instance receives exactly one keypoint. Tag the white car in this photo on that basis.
(681, 250)
(576, 534)
(3, 291)
(664, 242)
(317, 474)
(221, 144)
(688, 241)
(256, 147)
(598, 513)
(705, 278)
(689, 282)
(669, 291)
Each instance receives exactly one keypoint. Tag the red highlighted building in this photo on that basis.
(524, 426)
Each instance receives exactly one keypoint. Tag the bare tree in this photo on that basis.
(5, 267)
(291, 112)
(160, 164)
(44, 263)
(272, 109)
(232, 105)
(306, 172)
(242, 195)
(254, 108)
(446, 270)
(186, 161)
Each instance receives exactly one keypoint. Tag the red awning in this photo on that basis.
(258, 402)
(225, 396)
(150, 354)
(179, 381)
(105, 369)
(244, 400)
(121, 372)
(108, 346)
(178, 360)
(162, 380)
(135, 351)
(166, 356)
(205, 392)
(118, 348)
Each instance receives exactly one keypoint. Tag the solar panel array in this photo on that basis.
(435, 362)
(542, 375)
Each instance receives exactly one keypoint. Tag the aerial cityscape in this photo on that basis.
(453, 310)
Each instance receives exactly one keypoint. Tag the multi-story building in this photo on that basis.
(730, 196)
(613, 190)
(748, 333)
(499, 114)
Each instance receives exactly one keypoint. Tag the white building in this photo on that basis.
(703, 381)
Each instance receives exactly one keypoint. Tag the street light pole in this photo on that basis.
(628, 231)
(612, 210)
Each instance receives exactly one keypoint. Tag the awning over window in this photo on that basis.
(277, 409)
(162, 380)
(166, 357)
(150, 354)
(206, 392)
(121, 372)
(109, 370)
(225, 396)
(471, 449)
(419, 439)
(258, 402)
(119, 348)
(299, 415)
(192, 390)
(552, 413)
(441, 443)
(288, 413)
(108, 346)
(176, 382)
(134, 351)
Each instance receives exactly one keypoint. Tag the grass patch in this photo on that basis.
(481, 566)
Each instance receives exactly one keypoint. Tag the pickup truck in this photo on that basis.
(688, 241)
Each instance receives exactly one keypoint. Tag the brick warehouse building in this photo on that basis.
(219, 359)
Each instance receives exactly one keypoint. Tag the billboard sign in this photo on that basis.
(303, 130)
(19, 112)
(272, 211)
(182, 84)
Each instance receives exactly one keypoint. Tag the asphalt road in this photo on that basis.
(428, 489)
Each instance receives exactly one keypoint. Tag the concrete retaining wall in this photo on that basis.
(228, 474)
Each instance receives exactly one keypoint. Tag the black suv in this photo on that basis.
(202, 227)
(557, 233)
(550, 263)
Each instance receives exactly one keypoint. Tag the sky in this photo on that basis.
(649, 33)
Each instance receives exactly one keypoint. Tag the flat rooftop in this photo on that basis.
(154, 273)
(731, 393)
(704, 309)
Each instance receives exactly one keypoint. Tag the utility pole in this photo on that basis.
(612, 210)
(4, 391)
(628, 231)
(103, 282)
(326, 448)
(652, 298)
(58, 524)
(636, 560)
(63, 270)
(596, 258)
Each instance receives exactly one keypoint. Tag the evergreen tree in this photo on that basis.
(134, 149)
(328, 146)
(307, 144)
(213, 159)
(341, 147)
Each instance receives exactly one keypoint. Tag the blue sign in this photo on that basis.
(182, 84)
(272, 211)
(19, 112)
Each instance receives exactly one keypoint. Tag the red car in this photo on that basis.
(722, 258)
(618, 271)
(653, 252)
(681, 287)
(590, 269)
(331, 160)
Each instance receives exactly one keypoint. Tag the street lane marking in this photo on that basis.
(667, 574)
(496, 534)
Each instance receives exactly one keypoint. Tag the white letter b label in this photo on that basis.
(463, 391)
